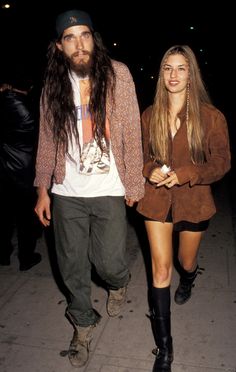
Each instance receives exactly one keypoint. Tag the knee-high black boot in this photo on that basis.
(162, 329)
(184, 290)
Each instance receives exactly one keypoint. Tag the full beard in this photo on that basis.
(81, 68)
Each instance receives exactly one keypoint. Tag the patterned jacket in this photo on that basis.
(125, 129)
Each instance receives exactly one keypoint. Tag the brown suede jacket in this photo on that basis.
(192, 199)
(125, 129)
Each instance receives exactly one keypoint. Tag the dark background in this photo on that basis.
(142, 33)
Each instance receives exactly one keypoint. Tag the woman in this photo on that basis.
(186, 149)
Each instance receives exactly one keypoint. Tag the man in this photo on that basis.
(18, 138)
(90, 151)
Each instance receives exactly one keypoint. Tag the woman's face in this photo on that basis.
(176, 73)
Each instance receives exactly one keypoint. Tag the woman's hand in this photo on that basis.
(157, 176)
(170, 180)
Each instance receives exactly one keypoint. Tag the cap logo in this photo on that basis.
(73, 20)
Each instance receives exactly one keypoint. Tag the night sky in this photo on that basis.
(142, 35)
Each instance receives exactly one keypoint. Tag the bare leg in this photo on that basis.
(160, 240)
(189, 243)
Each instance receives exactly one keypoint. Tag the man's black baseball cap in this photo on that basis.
(72, 18)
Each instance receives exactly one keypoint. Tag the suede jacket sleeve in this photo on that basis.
(217, 151)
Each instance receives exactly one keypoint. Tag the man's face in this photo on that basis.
(77, 45)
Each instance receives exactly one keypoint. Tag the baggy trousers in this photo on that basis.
(17, 211)
(90, 231)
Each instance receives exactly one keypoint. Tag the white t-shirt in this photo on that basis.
(89, 172)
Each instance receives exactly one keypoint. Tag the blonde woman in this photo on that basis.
(186, 149)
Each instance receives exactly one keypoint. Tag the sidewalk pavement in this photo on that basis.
(34, 330)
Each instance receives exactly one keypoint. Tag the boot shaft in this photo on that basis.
(164, 351)
(161, 325)
(161, 301)
(187, 277)
(184, 291)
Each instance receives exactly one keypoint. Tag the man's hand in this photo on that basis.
(130, 202)
(42, 208)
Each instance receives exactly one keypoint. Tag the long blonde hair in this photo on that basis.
(196, 94)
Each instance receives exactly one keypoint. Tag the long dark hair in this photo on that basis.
(58, 95)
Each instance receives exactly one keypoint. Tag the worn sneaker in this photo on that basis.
(116, 299)
(79, 348)
(80, 345)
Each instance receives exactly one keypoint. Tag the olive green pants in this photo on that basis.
(90, 231)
